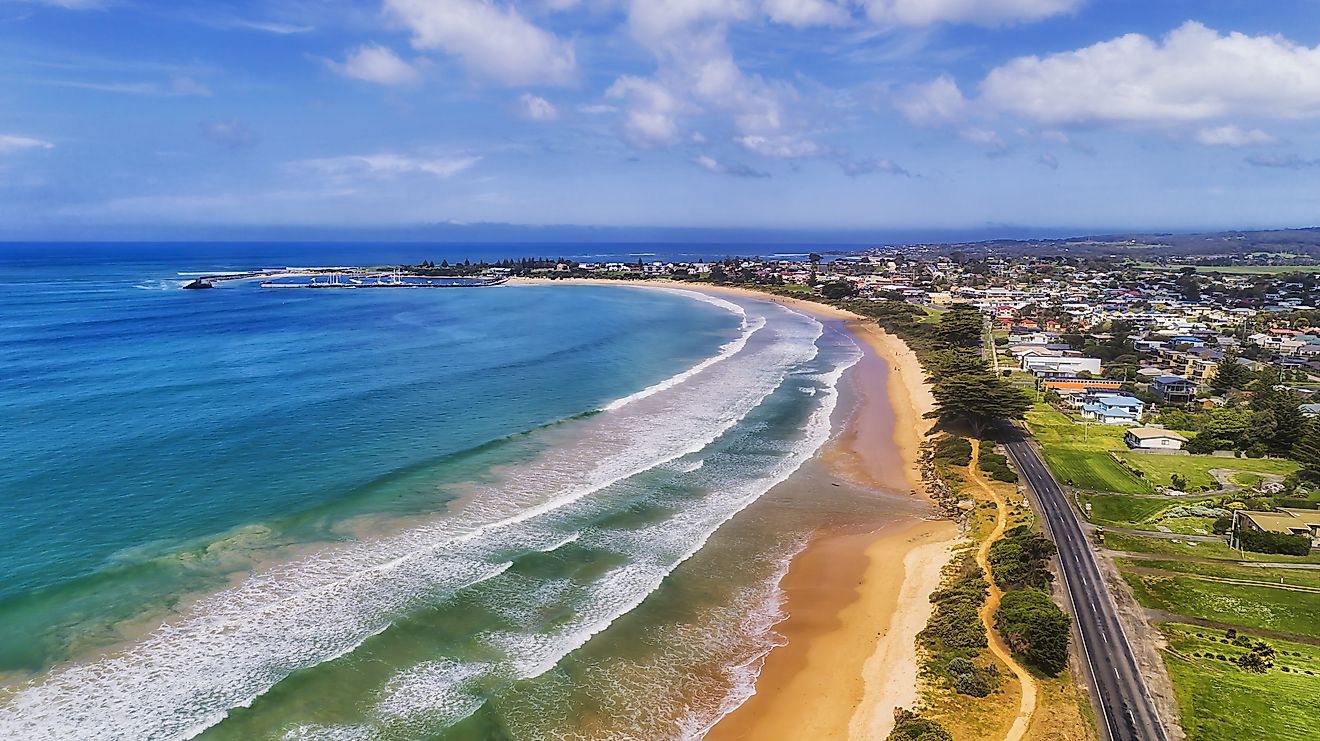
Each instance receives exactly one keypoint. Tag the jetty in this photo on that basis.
(349, 278)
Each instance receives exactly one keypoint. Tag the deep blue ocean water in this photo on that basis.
(138, 417)
(434, 505)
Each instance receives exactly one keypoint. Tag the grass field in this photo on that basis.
(1267, 608)
(1294, 577)
(1078, 454)
(1121, 511)
(1159, 469)
(1164, 547)
(1220, 702)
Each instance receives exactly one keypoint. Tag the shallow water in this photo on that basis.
(474, 513)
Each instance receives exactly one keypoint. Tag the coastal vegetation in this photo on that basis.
(1035, 628)
(912, 726)
(1221, 700)
(1019, 560)
(1278, 608)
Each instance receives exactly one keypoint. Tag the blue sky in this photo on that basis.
(772, 114)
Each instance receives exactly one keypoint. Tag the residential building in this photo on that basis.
(1113, 409)
(1173, 389)
(1285, 521)
(1153, 438)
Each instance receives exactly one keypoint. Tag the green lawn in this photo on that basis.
(1078, 454)
(1164, 547)
(1266, 608)
(1295, 577)
(1220, 702)
(1159, 469)
(1120, 511)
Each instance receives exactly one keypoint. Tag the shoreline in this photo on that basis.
(854, 601)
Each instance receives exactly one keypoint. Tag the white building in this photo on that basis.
(1151, 438)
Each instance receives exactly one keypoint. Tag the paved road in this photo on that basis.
(1127, 713)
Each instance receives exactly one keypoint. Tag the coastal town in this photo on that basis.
(1173, 406)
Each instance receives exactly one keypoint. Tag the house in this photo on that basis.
(1153, 438)
(1046, 365)
(1310, 410)
(1173, 389)
(1285, 521)
(1113, 409)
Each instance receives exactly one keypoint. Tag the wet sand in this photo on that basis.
(858, 594)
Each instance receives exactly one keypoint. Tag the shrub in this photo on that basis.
(954, 450)
(954, 625)
(996, 465)
(969, 679)
(1017, 561)
(1266, 542)
(909, 726)
(1035, 629)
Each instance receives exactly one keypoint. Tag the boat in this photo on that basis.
(197, 284)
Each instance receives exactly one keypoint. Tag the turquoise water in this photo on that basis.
(470, 513)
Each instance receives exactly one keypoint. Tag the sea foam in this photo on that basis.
(230, 648)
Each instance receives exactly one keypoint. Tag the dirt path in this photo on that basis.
(1028, 707)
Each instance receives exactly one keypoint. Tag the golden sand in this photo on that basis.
(855, 601)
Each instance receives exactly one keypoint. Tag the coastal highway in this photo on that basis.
(1127, 713)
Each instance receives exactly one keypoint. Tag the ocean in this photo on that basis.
(516, 512)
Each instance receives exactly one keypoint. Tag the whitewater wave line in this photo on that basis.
(236, 629)
(623, 589)
(727, 350)
(611, 594)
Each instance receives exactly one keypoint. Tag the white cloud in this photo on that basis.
(597, 109)
(932, 104)
(1194, 74)
(493, 41)
(13, 143)
(1233, 137)
(782, 146)
(735, 169)
(280, 29)
(180, 86)
(74, 4)
(1282, 162)
(376, 63)
(652, 117)
(230, 134)
(987, 138)
(803, 13)
(697, 74)
(385, 166)
(983, 12)
(1049, 160)
(536, 108)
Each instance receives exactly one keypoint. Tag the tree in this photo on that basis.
(837, 290)
(1286, 421)
(1307, 448)
(953, 362)
(1230, 374)
(981, 399)
(961, 326)
(1035, 629)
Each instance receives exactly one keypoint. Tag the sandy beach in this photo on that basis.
(855, 597)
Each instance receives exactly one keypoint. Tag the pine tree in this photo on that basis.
(961, 326)
(982, 399)
(1230, 374)
(1307, 448)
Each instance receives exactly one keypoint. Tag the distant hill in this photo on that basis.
(1271, 247)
